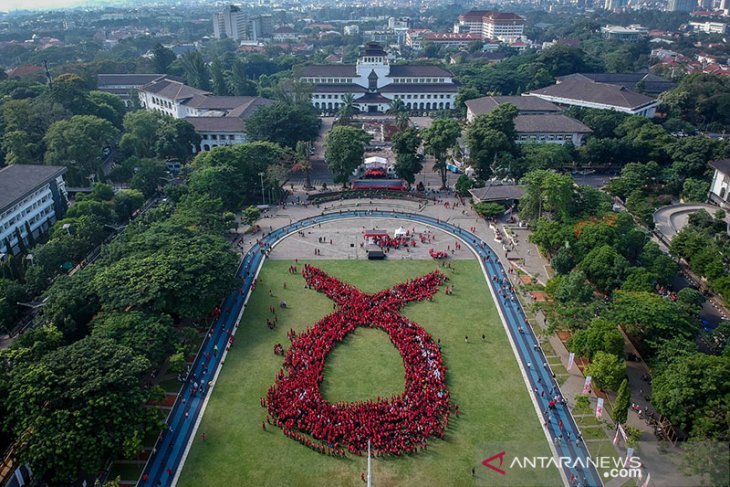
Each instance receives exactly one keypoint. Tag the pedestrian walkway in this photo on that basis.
(174, 443)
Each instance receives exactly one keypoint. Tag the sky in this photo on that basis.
(9, 5)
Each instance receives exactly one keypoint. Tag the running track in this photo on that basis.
(172, 446)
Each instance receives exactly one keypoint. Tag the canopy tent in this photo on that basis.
(371, 235)
(375, 161)
(400, 232)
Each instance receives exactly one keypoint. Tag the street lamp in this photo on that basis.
(263, 195)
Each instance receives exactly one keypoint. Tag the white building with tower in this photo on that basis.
(375, 83)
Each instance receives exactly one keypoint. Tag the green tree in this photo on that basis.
(250, 214)
(77, 143)
(238, 82)
(405, 145)
(284, 124)
(600, 336)
(650, 318)
(140, 133)
(574, 287)
(176, 139)
(107, 106)
(195, 70)
(70, 305)
(621, 405)
(148, 175)
(219, 83)
(489, 134)
(606, 370)
(563, 262)
(11, 292)
(149, 335)
(694, 393)
(695, 190)
(184, 275)
(18, 147)
(344, 149)
(126, 202)
(438, 140)
(546, 191)
(162, 58)
(489, 210)
(691, 300)
(76, 407)
(347, 109)
(605, 268)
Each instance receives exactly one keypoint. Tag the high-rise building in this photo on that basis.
(615, 5)
(491, 25)
(236, 25)
(681, 5)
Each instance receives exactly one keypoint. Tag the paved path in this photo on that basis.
(165, 466)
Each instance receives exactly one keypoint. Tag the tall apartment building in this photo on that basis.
(681, 5)
(236, 25)
(615, 5)
(503, 26)
(32, 198)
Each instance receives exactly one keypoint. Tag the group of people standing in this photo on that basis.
(394, 425)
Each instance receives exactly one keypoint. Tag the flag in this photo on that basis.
(646, 482)
(571, 359)
(599, 408)
(629, 454)
(587, 385)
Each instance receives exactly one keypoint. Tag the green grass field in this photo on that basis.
(483, 378)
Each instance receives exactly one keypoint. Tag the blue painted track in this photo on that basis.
(170, 449)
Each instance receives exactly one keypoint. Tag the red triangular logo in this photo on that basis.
(487, 463)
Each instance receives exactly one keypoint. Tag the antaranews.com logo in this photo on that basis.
(611, 466)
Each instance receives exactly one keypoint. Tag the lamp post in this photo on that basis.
(263, 195)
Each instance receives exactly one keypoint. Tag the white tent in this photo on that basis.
(375, 161)
(401, 232)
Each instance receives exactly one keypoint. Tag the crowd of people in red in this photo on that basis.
(387, 242)
(394, 425)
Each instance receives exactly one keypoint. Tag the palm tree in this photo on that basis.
(398, 108)
(348, 109)
(303, 150)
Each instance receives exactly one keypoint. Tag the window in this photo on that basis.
(214, 137)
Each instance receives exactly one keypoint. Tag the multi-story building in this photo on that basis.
(538, 121)
(32, 198)
(375, 83)
(720, 188)
(489, 24)
(681, 5)
(632, 33)
(709, 27)
(615, 5)
(125, 85)
(219, 120)
(586, 93)
(236, 25)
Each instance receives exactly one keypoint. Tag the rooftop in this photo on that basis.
(216, 124)
(486, 104)
(723, 165)
(17, 180)
(593, 92)
(498, 192)
(338, 70)
(651, 83)
(549, 124)
(173, 90)
(407, 70)
(104, 80)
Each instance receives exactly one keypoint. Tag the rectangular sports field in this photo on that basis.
(496, 412)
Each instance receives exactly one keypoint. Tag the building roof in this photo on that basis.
(410, 70)
(104, 80)
(373, 49)
(334, 70)
(173, 90)
(285, 29)
(651, 82)
(216, 124)
(480, 15)
(486, 104)
(245, 110)
(547, 124)
(498, 192)
(420, 88)
(723, 165)
(217, 102)
(372, 98)
(339, 88)
(589, 91)
(17, 180)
